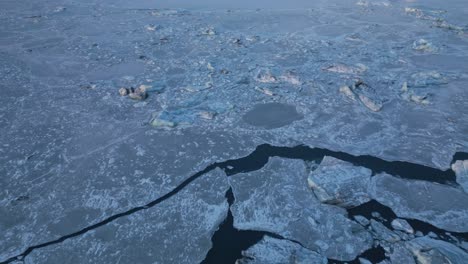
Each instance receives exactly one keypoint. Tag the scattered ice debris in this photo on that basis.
(372, 105)
(440, 23)
(442, 206)
(424, 45)
(419, 97)
(460, 167)
(402, 225)
(276, 251)
(265, 77)
(345, 69)
(427, 78)
(437, 20)
(428, 250)
(340, 183)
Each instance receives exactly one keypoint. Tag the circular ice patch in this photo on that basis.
(272, 115)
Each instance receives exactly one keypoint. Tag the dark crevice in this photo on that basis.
(459, 156)
(229, 242)
(256, 160)
(112, 218)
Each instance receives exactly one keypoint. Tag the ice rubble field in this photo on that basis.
(331, 132)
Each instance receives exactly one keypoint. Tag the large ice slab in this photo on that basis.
(341, 183)
(277, 199)
(442, 206)
(178, 230)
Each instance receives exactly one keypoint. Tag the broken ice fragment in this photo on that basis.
(402, 225)
(265, 77)
(460, 167)
(442, 206)
(341, 68)
(420, 99)
(156, 122)
(404, 87)
(428, 250)
(361, 220)
(138, 93)
(265, 91)
(340, 183)
(208, 31)
(348, 92)
(123, 91)
(423, 45)
(207, 115)
(276, 251)
(151, 27)
(370, 104)
(383, 233)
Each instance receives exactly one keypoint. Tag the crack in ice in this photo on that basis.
(258, 159)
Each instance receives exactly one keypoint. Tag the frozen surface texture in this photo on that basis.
(442, 206)
(276, 199)
(116, 118)
(178, 230)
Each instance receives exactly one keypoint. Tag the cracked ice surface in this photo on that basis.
(64, 197)
(178, 230)
(276, 251)
(442, 206)
(73, 152)
(276, 199)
